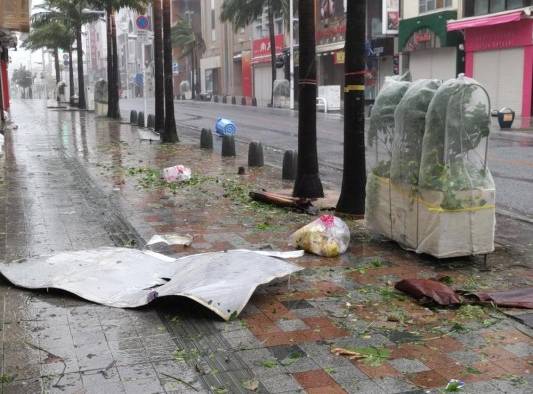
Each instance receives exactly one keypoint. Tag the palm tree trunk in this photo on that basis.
(81, 82)
(193, 81)
(70, 73)
(352, 198)
(110, 68)
(56, 64)
(272, 48)
(170, 134)
(116, 75)
(158, 68)
(307, 184)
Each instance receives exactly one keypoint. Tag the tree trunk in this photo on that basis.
(158, 68)
(272, 37)
(56, 65)
(110, 68)
(193, 65)
(352, 198)
(70, 73)
(170, 134)
(307, 184)
(116, 75)
(81, 82)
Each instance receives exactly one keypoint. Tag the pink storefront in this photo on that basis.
(499, 54)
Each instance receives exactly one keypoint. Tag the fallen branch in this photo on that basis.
(180, 380)
(339, 351)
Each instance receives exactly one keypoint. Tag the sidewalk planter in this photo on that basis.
(456, 232)
(441, 194)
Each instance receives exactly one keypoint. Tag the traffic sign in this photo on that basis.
(142, 22)
(65, 56)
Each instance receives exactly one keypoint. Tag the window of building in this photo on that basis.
(213, 21)
(497, 5)
(430, 5)
(484, 7)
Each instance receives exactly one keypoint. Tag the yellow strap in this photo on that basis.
(354, 88)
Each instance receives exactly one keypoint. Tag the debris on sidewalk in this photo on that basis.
(225, 127)
(428, 288)
(454, 385)
(178, 173)
(326, 236)
(126, 278)
(281, 200)
(148, 135)
(371, 355)
(170, 239)
(517, 298)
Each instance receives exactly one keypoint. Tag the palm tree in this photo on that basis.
(158, 67)
(170, 134)
(352, 198)
(53, 36)
(307, 184)
(110, 6)
(69, 12)
(191, 44)
(241, 13)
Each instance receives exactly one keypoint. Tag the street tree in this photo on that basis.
(23, 79)
(52, 36)
(242, 13)
(110, 7)
(352, 197)
(191, 44)
(170, 133)
(158, 67)
(307, 184)
(69, 12)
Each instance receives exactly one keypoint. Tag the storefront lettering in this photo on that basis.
(331, 32)
(499, 37)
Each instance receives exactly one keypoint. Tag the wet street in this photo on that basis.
(510, 152)
(73, 181)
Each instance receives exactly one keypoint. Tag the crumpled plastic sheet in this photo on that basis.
(125, 278)
(170, 239)
(437, 291)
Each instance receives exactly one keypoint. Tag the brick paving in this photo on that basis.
(74, 181)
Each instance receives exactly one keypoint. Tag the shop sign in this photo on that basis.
(331, 9)
(331, 33)
(338, 57)
(15, 15)
(261, 49)
(502, 36)
(246, 74)
(422, 39)
(391, 16)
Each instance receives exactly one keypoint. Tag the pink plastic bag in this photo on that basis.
(177, 173)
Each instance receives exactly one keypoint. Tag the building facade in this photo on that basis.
(498, 44)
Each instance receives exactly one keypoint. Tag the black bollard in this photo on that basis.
(133, 117)
(290, 165)
(216, 99)
(228, 146)
(150, 121)
(224, 99)
(206, 139)
(255, 155)
(243, 101)
(140, 119)
(241, 171)
(233, 100)
(254, 102)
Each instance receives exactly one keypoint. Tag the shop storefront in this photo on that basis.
(499, 54)
(262, 68)
(429, 50)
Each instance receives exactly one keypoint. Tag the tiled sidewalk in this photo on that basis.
(282, 341)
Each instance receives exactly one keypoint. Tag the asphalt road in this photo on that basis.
(510, 152)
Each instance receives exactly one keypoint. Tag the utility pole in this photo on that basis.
(352, 198)
(291, 52)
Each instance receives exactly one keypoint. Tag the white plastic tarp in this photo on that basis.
(120, 277)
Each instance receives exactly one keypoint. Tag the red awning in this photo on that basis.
(488, 20)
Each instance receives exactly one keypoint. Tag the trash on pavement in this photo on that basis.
(177, 173)
(326, 236)
(170, 239)
(225, 127)
(518, 298)
(281, 200)
(454, 385)
(432, 289)
(292, 254)
(126, 278)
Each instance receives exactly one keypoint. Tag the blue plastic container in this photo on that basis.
(225, 127)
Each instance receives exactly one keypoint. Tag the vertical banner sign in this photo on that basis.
(246, 74)
(391, 16)
(15, 15)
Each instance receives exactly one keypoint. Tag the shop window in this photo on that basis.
(484, 7)
(497, 5)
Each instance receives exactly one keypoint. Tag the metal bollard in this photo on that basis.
(290, 165)
(150, 121)
(243, 101)
(206, 139)
(254, 102)
(228, 146)
(255, 155)
(233, 100)
(140, 119)
(133, 117)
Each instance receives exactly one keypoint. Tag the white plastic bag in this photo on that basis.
(177, 173)
(326, 236)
